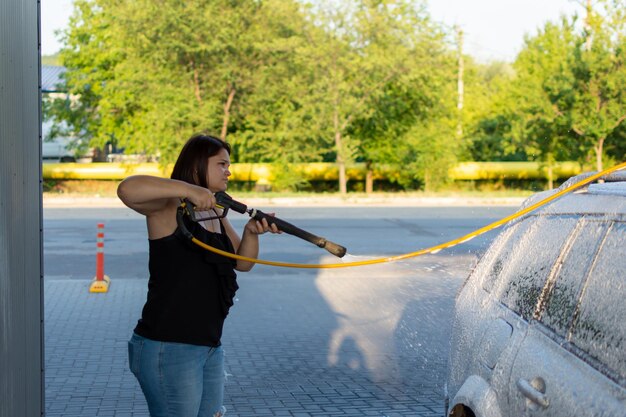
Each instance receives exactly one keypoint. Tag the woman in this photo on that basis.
(175, 351)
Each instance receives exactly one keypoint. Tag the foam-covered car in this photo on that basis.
(540, 324)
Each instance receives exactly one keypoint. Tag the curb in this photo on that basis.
(50, 201)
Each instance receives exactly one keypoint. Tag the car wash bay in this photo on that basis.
(368, 340)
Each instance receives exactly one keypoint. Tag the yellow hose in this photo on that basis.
(433, 249)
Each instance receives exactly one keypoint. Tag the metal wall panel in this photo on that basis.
(21, 272)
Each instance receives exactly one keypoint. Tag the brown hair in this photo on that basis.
(191, 165)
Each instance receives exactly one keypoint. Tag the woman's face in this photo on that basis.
(217, 171)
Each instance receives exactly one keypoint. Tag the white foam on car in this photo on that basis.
(608, 188)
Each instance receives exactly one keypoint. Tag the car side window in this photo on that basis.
(598, 327)
(485, 263)
(573, 270)
(533, 256)
(490, 267)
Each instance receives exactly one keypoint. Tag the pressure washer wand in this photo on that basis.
(226, 202)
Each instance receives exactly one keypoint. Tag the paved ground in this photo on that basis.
(370, 350)
(365, 341)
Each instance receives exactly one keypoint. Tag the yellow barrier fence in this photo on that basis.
(265, 173)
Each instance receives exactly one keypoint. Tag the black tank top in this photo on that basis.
(190, 289)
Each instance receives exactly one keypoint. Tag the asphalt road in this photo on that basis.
(367, 340)
(367, 232)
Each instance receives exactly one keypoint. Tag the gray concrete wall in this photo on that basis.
(21, 272)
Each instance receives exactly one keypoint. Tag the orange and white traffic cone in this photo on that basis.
(100, 282)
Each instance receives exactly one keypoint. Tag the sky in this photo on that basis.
(493, 29)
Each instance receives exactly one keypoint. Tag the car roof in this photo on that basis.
(607, 197)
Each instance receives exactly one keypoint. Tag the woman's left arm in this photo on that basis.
(248, 244)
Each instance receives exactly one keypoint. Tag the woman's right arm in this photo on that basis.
(149, 195)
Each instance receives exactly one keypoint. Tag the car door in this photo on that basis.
(570, 362)
(515, 282)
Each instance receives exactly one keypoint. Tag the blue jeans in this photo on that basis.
(178, 380)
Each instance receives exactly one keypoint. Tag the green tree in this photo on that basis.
(543, 86)
(278, 123)
(90, 57)
(337, 88)
(567, 95)
(372, 76)
(599, 67)
(167, 69)
(488, 113)
(418, 74)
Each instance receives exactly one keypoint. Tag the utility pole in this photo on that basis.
(588, 6)
(588, 25)
(459, 103)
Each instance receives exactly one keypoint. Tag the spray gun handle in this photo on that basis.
(189, 208)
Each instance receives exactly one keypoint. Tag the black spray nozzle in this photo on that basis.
(226, 202)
